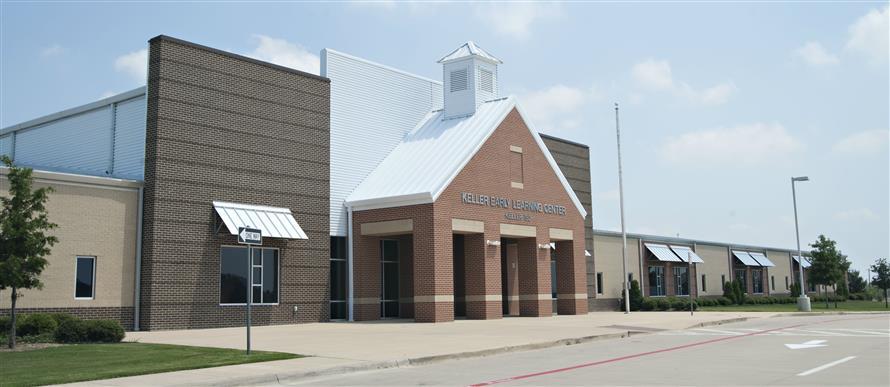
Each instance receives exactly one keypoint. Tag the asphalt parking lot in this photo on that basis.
(848, 350)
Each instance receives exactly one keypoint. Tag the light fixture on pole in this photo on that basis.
(626, 291)
(803, 302)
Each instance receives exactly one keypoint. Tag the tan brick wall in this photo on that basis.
(716, 265)
(780, 271)
(607, 253)
(95, 221)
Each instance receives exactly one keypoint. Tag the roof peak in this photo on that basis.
(469, 49)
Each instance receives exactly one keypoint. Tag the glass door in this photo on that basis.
(389, 277)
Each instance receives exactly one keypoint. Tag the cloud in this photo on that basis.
(557, 107)
(134, 64)
(859, 214)
(869, 142)
(869, 35)
(284, 53)
(515, 19)
(656, 75)
(653, 75)
(51, 51)
(814, 54)
(741, 145)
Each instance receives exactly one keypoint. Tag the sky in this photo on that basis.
(720, 103)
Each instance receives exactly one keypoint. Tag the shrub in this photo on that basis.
(795, 290)
(680, 304)
(738, 292)
(62, 317)
(37, 324)
(5, 323)
(724, 301)
(104, 331)
(662, 304)
(72, 331)
(648, 304)
(636, 295)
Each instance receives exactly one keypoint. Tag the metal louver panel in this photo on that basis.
(275, 222)
(662, 252)
(683, 252)
(762, 259)
(745, 258)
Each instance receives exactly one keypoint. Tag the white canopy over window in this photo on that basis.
(806, 263)
(275, 222)
(762, 259)
(683, 252)
(746, 258)
(662, 252)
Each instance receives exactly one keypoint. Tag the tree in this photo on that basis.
(636, 295)
(828, 265)
(857, 283)
(882, 276)
(23, 236)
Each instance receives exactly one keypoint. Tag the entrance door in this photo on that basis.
(510, 278)
(389, 277)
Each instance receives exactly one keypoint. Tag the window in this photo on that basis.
(772, 282)
(599, 283)
(458, 80)
(516, 167)
(722, 280)
(234, 274)
(553, 279)
(486, 80)
(338, 278)
(85, 278)
(389, 286)
(704, 284)
(786, 283)
(757, 279)
(741, 275)
(681, 281)
(630, 278)
(656, 280)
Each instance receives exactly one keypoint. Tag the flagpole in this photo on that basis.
(621, 206)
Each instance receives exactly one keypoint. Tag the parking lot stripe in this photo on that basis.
(826, 366)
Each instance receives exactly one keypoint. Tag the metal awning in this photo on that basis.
(806, 263)
(662, 252)
(762, 259)
(746, 258)
(587, 253)
(275, 222)
(683, 252)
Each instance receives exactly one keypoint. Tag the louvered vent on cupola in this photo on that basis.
(471, 78)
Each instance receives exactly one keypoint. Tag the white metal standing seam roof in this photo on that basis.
(662, 252)
(469, 49)
(275, 222)
(422, 166)
(683, 252)
(762, 259)
(745, 258)
(806, 263)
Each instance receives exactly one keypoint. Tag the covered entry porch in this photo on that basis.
(411, 268)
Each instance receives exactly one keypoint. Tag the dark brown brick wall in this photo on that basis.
(228, 128)
(124, 315)
(574, 162)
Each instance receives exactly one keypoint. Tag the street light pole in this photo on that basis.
(803, 302)
(621, 206)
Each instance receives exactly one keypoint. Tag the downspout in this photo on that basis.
(349, 276)
(138, 279)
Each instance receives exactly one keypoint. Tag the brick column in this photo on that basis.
(366, 265)
(534, 279)
(483, 277)
(570, 282)
(433, 270)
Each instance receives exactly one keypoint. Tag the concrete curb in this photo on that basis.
(838, 313)
(719, 322)
(370, 366)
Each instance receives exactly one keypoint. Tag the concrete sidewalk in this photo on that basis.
(347, 347)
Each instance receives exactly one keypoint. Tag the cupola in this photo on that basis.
(470, 77)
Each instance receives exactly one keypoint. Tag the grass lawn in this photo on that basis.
(847, 306)
(73, 363)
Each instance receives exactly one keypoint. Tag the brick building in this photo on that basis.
(379, 193)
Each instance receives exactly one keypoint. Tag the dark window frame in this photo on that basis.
(599, 283)
(250, 274)
(658, 288)
(94, 262)
(339, 260)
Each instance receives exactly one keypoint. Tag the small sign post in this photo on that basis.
(250, 237)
